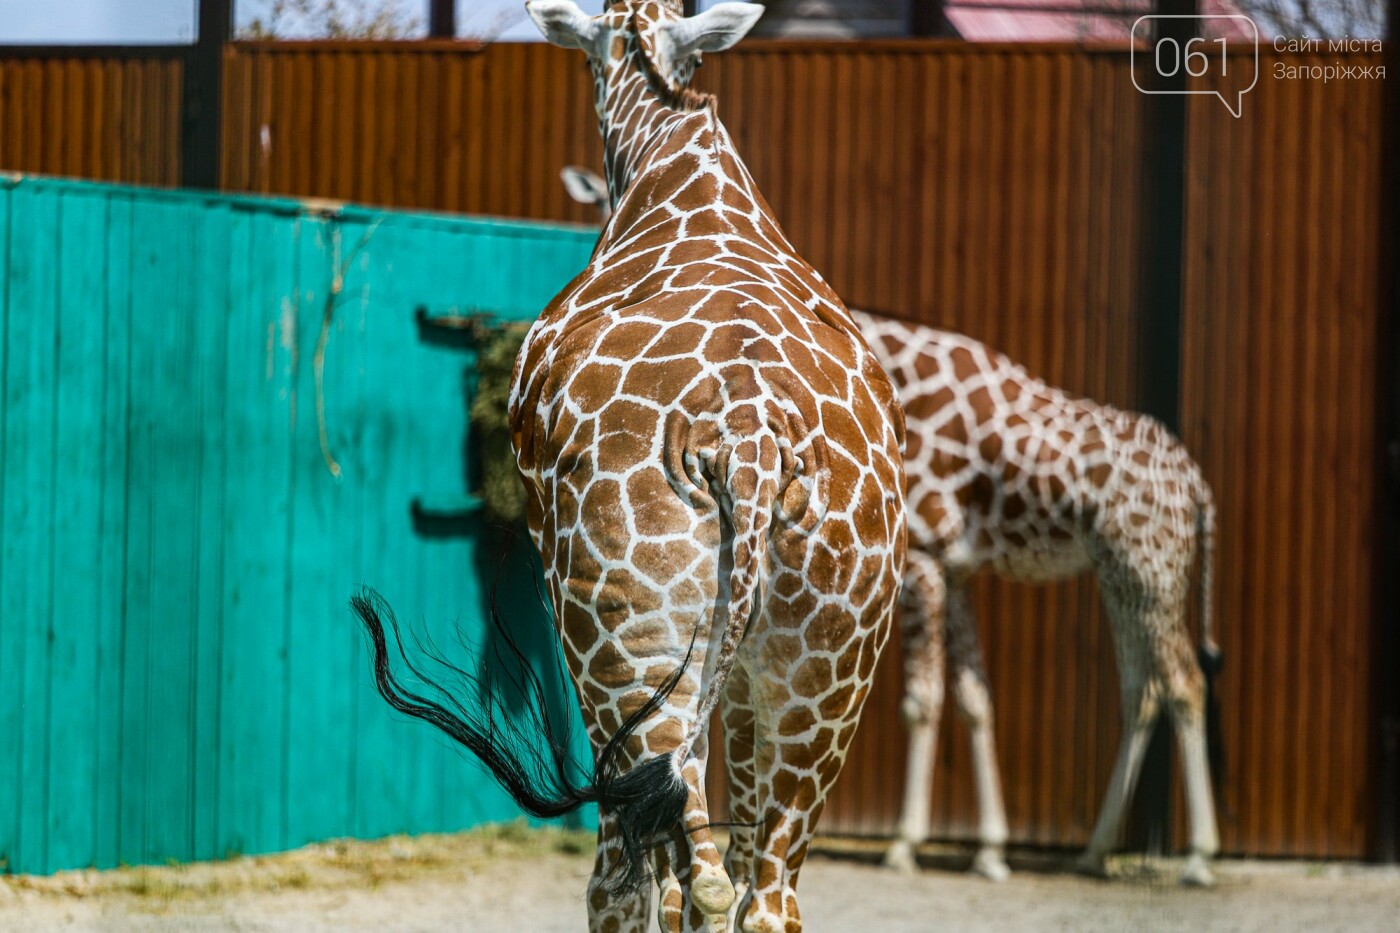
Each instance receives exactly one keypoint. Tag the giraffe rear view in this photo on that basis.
(711, 456)
(1010, 475)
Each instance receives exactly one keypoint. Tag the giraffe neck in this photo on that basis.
(634, 118)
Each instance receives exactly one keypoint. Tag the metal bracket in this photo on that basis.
(446, 516)
(453, 330)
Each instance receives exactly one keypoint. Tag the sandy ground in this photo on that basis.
(514, 879)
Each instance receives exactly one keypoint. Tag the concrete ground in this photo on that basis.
(514, 879)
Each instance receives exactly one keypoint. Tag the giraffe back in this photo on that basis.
(696, 322)
(1010, 474)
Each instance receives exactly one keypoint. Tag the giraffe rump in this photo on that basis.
(647, 801)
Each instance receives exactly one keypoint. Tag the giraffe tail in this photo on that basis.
(750, 470)
(647, 802)
(1208, 654)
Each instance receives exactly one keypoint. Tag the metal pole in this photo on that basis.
(442, 19)
(1386, 841)
(203, 92)
(1159, 349)
(925, 18)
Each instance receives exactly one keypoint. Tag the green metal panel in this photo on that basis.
(110, 625)
(77, 717)
(30, 467)
(186, 508)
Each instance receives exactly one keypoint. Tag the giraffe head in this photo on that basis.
(647, 37)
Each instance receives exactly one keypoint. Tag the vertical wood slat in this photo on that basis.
(11, 649)
(25, 545)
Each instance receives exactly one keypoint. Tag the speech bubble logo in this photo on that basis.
(1197, 60)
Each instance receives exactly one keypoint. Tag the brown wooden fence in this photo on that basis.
(108, 117)
(1279, 388)
(996, 190)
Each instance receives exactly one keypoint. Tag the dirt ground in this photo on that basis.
(511, 878)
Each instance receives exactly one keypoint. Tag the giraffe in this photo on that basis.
(711, 456)
(699, 382)
(1008, 474)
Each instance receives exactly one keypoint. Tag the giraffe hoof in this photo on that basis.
(1093, 866)
(1197, 873)
(712, 892)
(990, 864)
(900, 857)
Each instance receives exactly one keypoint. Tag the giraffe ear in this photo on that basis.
(584, 186)
(564, 24)
(714, 30)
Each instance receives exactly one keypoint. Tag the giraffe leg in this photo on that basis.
(1139, 711)
(617, 684)
(608, 912)
(807, 706)
(1185, 694)
(691, 882)
(921, 614)
(974, 699)
(738, 715)
(673, 864)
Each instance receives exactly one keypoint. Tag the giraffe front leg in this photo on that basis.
(921, 621)
(974, 699)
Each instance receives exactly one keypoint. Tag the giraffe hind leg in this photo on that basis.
(738, 715)
(1185, 690)
(807, 709)
(608, 910)
(696, 893)
(974, 699)
(921, 627)
(1139, 695)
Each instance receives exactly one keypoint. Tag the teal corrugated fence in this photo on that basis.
(217, 412)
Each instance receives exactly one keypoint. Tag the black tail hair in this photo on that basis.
(1212, 659)
(647, 802)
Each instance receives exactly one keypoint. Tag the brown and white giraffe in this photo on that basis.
(1010, 475)
(711, 455)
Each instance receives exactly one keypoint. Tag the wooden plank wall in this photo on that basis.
(432, 125)
(1278, 402)
(180, 677)
(109, 118)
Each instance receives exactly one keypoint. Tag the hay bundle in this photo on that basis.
(501, 489)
